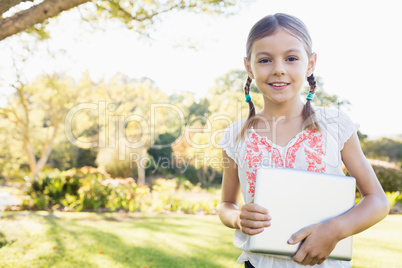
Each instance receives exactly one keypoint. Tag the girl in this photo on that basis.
(289, 133)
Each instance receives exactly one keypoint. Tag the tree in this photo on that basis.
(36, 111)
(384, 148)
(198, 111)
(138, 15)
(233, 80)
(11, 157)
(130, 123)
(163, 157)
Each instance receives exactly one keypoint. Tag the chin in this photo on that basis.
(280, 100)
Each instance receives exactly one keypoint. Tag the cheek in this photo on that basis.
(262, 70)
(298, 71)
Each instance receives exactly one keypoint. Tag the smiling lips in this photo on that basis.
(278, 85)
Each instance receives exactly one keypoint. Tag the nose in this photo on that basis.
(279, 69)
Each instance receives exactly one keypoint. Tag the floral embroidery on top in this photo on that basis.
(314, 154)
(253, 159)
(291, 153)
(276, 155)
(251, 181)
(252, 147)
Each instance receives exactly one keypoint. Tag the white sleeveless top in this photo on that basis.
(318, 151)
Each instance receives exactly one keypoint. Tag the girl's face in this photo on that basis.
(280, 64)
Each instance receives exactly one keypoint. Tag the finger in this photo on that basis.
(299, 256)
(251, 231)
(301, 253)
(314, 261)
(307, 260)
(255, 216)
(299, 236)
(255, 224)
(255, 208)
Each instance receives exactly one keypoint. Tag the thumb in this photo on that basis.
(300, 235)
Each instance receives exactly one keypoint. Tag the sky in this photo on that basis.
(358, 44)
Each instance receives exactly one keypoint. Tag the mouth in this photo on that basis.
(279, 85)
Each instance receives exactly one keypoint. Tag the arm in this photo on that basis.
(229, 212)
(321, 239)
(252, 218)
(374, 205)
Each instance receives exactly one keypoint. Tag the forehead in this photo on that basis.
(279, 42)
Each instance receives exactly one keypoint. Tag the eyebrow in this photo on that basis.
(286, 52)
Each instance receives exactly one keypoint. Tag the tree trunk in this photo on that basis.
(47, 149)
(201, 176)
(141, 169)
(211, 176)
(37, 166)
(36, 14)
(29, 152)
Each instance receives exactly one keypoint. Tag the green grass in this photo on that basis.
(379, 246)
(77, 239)
(118, 240)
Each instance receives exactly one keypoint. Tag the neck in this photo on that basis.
(288, 110)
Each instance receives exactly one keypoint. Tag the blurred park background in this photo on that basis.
(111, 111)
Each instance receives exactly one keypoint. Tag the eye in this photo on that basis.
(265, 60)
(292, 58)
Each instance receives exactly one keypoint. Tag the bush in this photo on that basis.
(393, 198)
(92, 193)
(163, 192)
(89, 189)
(388, 174)
(47, 190)
(127, 195)
(190, 173)
(389, 177)
(3, 240)
(74, 189)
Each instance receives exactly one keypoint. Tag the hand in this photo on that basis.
(317, 242)
(253, 219)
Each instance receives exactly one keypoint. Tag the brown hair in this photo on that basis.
(265, 27)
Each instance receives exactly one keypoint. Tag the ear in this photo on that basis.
(311, 64)
(248, 68)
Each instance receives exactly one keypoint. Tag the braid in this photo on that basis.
(312, 83)
(251, 113)
(247, 86)
(310, 119)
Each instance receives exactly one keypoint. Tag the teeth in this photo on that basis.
(279, 85)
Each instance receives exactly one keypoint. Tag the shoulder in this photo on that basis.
(333, 116)
(230, 133)
(330, 113)
(228, 141)
(235, 127)
(336, 123)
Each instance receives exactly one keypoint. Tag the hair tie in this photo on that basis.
(248, 98)
(310, 96)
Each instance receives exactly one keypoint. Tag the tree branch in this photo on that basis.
(24, 104)
(36, 14)
(150, 16)
(5, 5)
(47, 149)
(141, 18)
